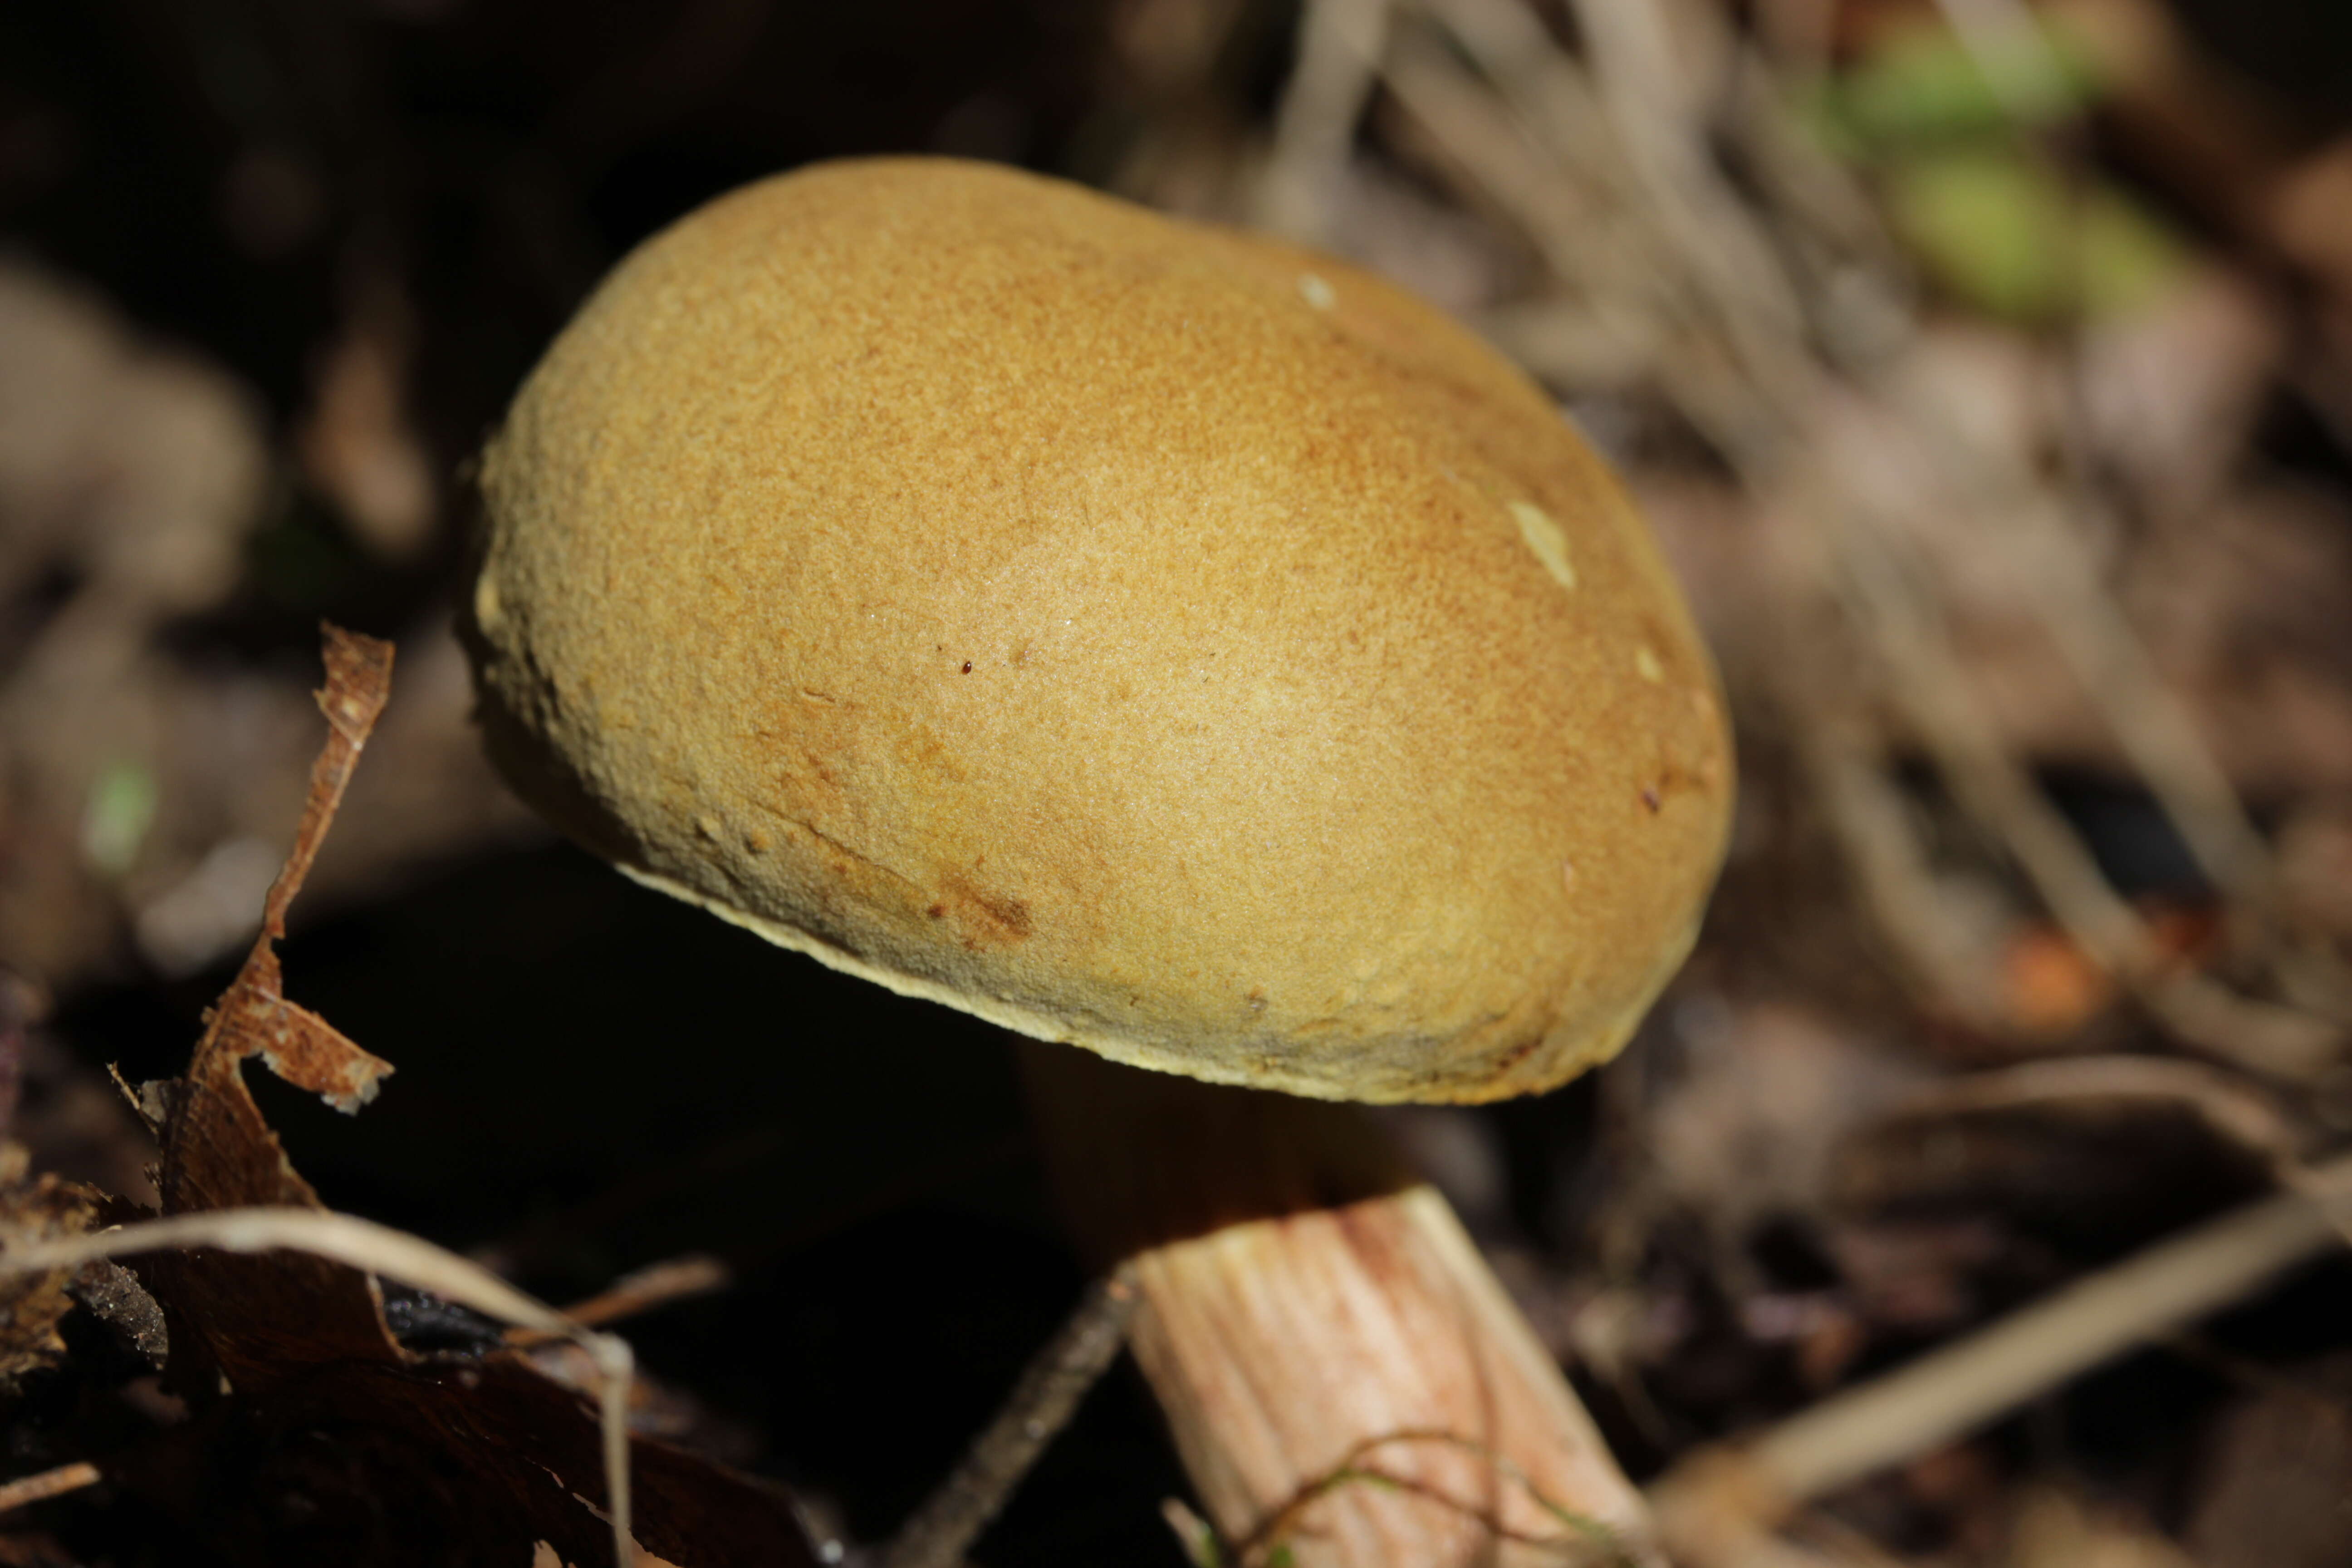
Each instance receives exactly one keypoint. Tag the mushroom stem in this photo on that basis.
(1344, 1376)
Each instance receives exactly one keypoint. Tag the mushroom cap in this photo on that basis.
(1138, 633)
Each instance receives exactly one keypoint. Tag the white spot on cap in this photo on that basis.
(1647, 663)
(487, 610)
(1544, 537)
(1317, 292)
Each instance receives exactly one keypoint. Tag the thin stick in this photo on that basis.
(1729, 354)
(378, 1249)
(1338, 42)
(1888, 594)
(27, 1490)
(1973, 1381)
(655, 1286)
(1581, 1539)
(2051, 567)
(1039, 1407)
(2222, 1100)
(1885, 856)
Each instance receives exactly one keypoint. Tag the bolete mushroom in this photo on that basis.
(1148, 637)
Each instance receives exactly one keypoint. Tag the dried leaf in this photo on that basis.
(482, 1457)
(31, 1304)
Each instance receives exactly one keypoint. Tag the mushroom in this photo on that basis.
(1160, 640)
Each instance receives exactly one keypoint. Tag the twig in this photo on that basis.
(378, 1249)
(1959, 1388)
(1637, 218)
(1658, 117)
(2051, 565)
(1886, 859)
(1587, 1539)
(1548, 163)
(2242, 1114)
(1551, 155)
(1315, 129)
(1889, 597)
(2053, 569)
(656, 1285)
(27, 1490)
(2224, 1102)
(1039, 1407)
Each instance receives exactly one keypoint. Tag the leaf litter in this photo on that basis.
(310, 1425)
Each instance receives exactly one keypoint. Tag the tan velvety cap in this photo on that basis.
(1137, 634)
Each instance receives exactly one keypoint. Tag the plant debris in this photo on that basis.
(488, 1455)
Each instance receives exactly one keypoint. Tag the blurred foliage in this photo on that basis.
(1919, 82)
(1988, 216)
(2011, 235)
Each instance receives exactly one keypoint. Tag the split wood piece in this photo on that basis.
(1344, 1375)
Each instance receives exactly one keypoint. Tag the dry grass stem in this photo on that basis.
(1892, 598)
(1756, 321)
(363, 1244)
(27, 1490)
(2224, 1101)
(1889, 866)
(1315, 128)
(1957, 1389)
(648, 1289)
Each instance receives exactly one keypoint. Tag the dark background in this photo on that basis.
(411, 195)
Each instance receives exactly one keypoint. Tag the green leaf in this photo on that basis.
(1999, 228)
(115, 815)
(1920, 83)
(2128, 258)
